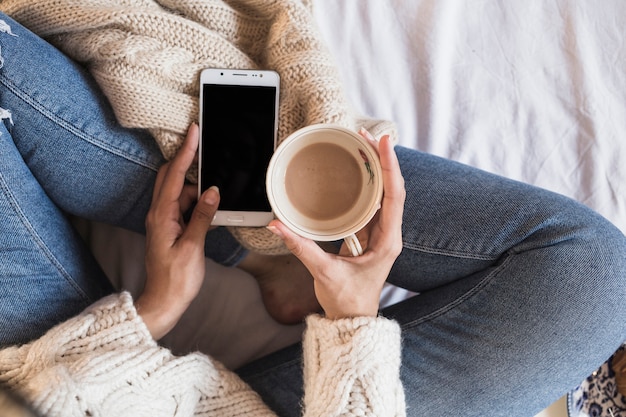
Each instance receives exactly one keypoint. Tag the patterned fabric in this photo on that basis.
(598, 395)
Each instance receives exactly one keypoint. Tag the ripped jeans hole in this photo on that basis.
(5, 114)
(5, 28)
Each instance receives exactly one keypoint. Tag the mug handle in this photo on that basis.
(354, 245)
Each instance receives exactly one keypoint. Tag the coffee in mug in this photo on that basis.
(324, 182)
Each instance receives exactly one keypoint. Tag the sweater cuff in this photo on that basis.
(352, 363)
(114, 319)
(341, 331)
(108, 324)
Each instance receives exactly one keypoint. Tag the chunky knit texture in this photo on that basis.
(104, 363)
(146, 56)
(350, 368)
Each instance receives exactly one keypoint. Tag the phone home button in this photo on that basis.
(235, 219)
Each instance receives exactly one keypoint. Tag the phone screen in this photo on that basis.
(237, 143)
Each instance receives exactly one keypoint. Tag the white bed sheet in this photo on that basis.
(535, 91)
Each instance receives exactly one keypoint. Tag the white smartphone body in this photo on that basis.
(238, 129)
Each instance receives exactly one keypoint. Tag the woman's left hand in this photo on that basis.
(350, 286)
(175, 260)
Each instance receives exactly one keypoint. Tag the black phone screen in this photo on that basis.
(238, 143)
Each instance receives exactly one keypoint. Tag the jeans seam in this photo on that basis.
(447, 252)
(70, 127)
(461, 299)
(37, 239)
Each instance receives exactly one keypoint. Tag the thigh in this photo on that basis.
(516, 284)
(46, 273)
(69, 137)
(67, 134)
(513, 338)
(459, 220)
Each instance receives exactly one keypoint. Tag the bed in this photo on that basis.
(535, 91)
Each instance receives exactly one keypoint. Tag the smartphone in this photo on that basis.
(238, 129)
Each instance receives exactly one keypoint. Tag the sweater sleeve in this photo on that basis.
(105, 325)
(105, 362)
(352, 367)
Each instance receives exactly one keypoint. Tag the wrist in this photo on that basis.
(360, 306)
(159, 316)
(351, 315)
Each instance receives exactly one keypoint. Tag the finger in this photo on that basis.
(393, 182)
(188, 196)
(202, 216)
(175, 176)
(306, 250)
(393, 185)
(370, 138)
(159, 182)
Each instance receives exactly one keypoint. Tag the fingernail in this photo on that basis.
(211, 198)
(393, 140)
(363, 131)
(275, 230)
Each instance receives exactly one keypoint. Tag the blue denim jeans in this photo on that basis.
(62, 152)
(521, 290)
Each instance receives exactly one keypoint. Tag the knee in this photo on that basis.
(598, 257)
(582, 250)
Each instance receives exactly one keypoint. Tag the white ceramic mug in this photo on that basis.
(325, 183)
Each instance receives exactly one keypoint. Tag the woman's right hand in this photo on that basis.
(348, 286)
(175, 260)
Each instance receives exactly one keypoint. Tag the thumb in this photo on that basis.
(306, 250)
(203, 215)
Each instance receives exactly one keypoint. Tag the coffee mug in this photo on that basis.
(325, 183)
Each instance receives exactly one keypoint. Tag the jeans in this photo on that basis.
(62, 152)
(521, 290)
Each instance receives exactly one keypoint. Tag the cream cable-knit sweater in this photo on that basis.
(146, 56)
(105, 363)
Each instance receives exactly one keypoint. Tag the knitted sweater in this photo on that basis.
(146, 56)
(105, 363)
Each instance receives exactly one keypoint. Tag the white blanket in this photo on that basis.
(535, 91)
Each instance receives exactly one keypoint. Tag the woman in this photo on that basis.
(510, 276)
